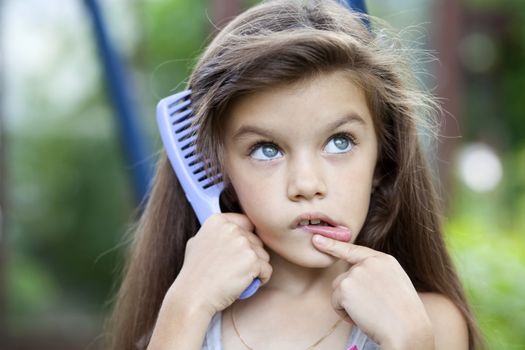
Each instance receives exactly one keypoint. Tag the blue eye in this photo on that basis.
(266, 151)
(339, 144)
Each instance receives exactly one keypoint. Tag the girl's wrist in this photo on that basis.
(183, 295)
(418, 337)
(181, 322)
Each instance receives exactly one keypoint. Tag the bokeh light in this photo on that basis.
(479, 167)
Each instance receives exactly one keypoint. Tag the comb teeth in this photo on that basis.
(180, 116)
(212, 181)
(182, 127)
(187, 135)
(180, 105)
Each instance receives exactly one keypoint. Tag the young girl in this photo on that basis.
(314, 122)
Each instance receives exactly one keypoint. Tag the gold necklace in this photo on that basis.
(330, 331)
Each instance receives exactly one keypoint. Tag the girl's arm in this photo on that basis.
(182, 321)
(220, 261)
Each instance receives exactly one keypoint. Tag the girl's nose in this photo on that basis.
(305, 181)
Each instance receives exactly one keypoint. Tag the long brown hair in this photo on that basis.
(284, 42)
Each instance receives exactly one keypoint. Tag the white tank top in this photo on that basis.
(212, 341)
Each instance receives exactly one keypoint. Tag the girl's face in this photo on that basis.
(302, 151)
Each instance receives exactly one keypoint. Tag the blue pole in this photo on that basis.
(133, 141)
(358, 6)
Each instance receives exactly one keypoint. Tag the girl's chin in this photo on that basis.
(302, 253)
(323, 262)
(314, 259)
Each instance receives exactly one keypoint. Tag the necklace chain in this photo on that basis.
(330, 331)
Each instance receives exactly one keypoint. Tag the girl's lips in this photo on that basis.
(339, 233)
(313, 216)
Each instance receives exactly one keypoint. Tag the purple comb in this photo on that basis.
(178, 134)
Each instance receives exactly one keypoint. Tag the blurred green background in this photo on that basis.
(65, 189)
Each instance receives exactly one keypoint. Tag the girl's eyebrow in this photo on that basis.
(268, 133)
(346, 119)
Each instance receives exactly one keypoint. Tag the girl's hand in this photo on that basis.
(377, 295)
(221, 261)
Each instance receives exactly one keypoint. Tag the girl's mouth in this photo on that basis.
(322, 225)
(316, 222)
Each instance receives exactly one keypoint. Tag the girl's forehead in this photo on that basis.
(318, 99)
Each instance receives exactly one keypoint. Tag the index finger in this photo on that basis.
(244, 223)
(343, 250)
(240, 220)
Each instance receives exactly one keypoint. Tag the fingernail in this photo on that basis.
(320, 239)
(353, 348)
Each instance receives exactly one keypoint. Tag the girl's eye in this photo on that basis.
(339, 144)
(266, 151)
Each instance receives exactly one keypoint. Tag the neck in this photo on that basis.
(295, 301)
(289, 279)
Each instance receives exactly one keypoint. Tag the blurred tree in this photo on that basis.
(486, 229)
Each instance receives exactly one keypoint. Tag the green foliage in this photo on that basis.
(174, 35)
(490, 264)
(486, 231)
(485, 235)
(70, 204)
(500, 91)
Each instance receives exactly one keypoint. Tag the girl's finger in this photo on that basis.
(261, 253)
(345, 317)
(265, 272)
(239, 220)
(338, 308)
(338, 279)
(254, 240)
(246, 225)
(343, 250)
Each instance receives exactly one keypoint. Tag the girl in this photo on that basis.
(313, 121)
